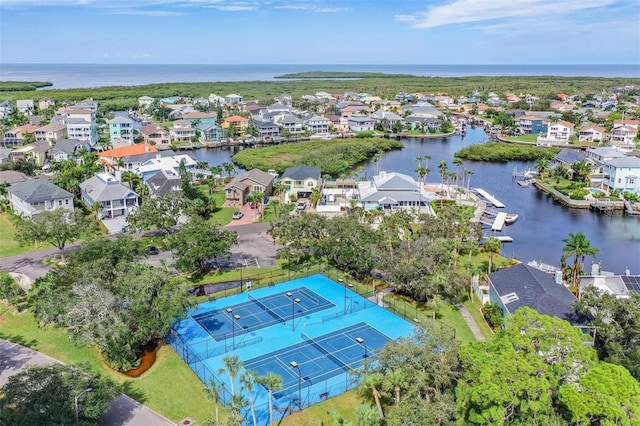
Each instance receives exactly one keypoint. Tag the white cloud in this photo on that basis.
(314, 8)
(469, 11)
(143, 12)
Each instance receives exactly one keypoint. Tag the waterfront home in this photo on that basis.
(338, 123)
(284, 99)
(164, 182)
(68, 149)
(156, 135)
(317, 124)
(121, 127)
(557, 133)
(216, 100)
(159, 162)
(289, 122)
(531, 124)
(197, 117)
(83, 130)
(51, 132)
(299, 181)
(421, 109)
(32, 196)
(624, 133)
(601, 154)
(87, 104)
(6, 109)
(387, 119)
(211, 132)
(182, 131)
(392, 191)
(39, 151)
(623, 174)
(360, 123)
(133, 162)
(360, 109)
(25, 106)
(568, 156)
(145, 102)
(113, 159)
(593, 133)
(618, 286)
(416, 122)
(523, 285)
(266, 128)
(236, 125)
(115, 198)
(242, 186)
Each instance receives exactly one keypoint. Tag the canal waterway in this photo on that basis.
(542, 222)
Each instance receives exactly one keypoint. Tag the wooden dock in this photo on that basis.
(490, 198)
(628, 209)
(499, 221)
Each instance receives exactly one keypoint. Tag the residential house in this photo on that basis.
(178, 111)
(83, 130)
(523, 285)
(40, 151)
(623, 174)
(156, 135)
(51, 132)
(115, 198)
(212, 132)
(289, 122)
(33, 196)
(387, 119)
(6, 109)
(568, 156)
(360, 109)
(67, 149)
(171, 163)
(266, 128)
(87, 104)
(592, 133)
(338, 123)
(284, 99)
(45, 103)
(164, 182)
(242, 186)
(113, 159)
(532, 125)
(299, 181)
(145, 102)
(19, 135)
(360, 123)
(422, 109)
(5, 154)
(9, 177)
(557, 133)
(387, 105)
(216, 100)
(618, 286)
(624, 133)
(317, 124)
(394, 191)
(236, 126)
(232, 99)
(197, 117)
(182, 131)
(602, 154)
(121, 127)
(25, 106)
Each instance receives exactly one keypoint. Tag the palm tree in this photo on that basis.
(258, 199)
(468, 173)
(232, 364)
(457, 162)
(216, 171)
(213, 392)
(395, 380)
(229, 168)
(579, 246)
(131, 178)
(422, 172)
(444, 170)
(272, 382)
(373, 381)
(248, 379)
(315, 196)
(278, 189)
(541, 165)
(492, 246)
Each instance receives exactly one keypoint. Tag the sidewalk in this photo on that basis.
(466, 315)
(124, 411)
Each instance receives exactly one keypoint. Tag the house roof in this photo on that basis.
(104, 187)
(197, 115)
(36, 190)
(628, 161)
(53, 127)
(163, 182)
(569, 156)
(68, 145)
(145, 156)
(255, 175)
(524, 285)
(302, 172)
(126, 151)
(12, 176)
(121, 120)
(152, 128)
(236, 118)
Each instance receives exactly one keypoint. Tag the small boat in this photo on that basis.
(511, 218)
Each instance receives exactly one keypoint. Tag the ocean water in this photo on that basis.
(65, 76)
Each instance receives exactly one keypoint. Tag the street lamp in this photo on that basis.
(293, 310)
(236, 317)
(362, 342)
(75, 402)
(297, 367)
(341, 281)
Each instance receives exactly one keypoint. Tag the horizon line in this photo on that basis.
(317, 64)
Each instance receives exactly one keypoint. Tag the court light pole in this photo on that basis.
(236, 317)
(364, 344)
(341, 281)
(297, 367)
(75, 403)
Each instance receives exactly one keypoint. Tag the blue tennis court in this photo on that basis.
(313, 332)
(250, 316)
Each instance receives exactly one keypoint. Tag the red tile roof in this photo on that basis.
(126, 151)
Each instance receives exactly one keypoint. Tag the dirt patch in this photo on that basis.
(146, 361)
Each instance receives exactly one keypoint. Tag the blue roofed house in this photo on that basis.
(116, 198)
(623, 174)
(299, 181)
(32, 196)
(524, 285)
(394, 191)
(121, 128)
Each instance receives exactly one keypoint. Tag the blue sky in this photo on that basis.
(320, 31)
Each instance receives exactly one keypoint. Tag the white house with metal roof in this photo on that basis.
(394, 191)
(116, 198)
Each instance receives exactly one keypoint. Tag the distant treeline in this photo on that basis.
(22, 86)
(334, 157)
(496, 151)
(118, 97)
(340, 74)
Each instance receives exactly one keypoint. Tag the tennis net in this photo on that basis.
(266, 309)
(330, 354)
(308, 296)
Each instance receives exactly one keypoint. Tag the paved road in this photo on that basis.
(124, 411)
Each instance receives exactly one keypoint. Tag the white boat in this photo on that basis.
(511, 218)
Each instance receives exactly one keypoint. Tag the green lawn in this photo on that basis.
(473, 306)
(524, 138)
(8, 245)
(344, 404)
(185, 398)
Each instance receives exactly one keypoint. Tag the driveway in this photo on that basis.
(250, 215)
(123, 410)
